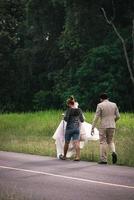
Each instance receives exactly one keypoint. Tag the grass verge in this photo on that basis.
(32, 133)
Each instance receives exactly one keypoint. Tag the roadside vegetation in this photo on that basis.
(32, 133)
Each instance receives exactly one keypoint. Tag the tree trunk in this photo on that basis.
(130, 68)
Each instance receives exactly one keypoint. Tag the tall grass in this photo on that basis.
(32, 133)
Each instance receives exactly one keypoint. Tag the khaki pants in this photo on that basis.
(106, 138)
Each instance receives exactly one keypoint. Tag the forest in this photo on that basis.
(51, 49)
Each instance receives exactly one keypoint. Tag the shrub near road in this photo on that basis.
(32, 133)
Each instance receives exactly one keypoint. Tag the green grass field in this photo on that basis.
(32, 133)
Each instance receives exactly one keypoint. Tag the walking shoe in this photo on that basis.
(62, 157)
(102, 162)
(114, 157)
(77, 159)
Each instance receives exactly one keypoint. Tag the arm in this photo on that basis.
(117, 114)
(96, 117)
(81, 116)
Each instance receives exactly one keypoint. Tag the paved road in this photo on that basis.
(30, 177)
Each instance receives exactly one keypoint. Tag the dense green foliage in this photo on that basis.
(54, 48)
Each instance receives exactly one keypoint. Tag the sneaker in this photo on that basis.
(114, 157)
(102, 162)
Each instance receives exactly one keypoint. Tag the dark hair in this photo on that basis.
(72, 98)
(103, 96)
(70, 101)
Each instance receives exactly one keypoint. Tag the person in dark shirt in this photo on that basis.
(73, 117)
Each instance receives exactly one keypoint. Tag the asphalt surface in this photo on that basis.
(30, 177)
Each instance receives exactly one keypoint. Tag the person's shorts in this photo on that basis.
(73, 134)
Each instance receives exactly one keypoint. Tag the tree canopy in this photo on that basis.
(51, 49)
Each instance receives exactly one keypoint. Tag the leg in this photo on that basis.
(76, 141)
(63, 157)
(110, 142)
(66, 148)
(66, 145)
(77, 148)
(103, 146)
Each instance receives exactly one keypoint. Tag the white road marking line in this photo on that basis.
(68, 177)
